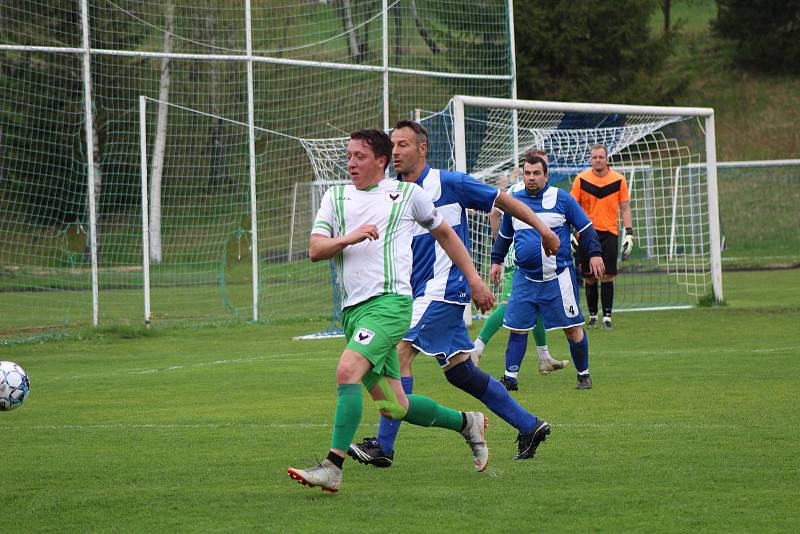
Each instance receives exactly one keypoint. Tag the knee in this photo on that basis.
(392, 409)
(346, 374)
(466, 377)
(574, 334)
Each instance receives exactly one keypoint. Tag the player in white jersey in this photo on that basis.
(367, 228)
(441, 294)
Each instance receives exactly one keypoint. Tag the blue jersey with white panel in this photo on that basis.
(558, 210)
(433, 273)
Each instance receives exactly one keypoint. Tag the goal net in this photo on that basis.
(664, 153)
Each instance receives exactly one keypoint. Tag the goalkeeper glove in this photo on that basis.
(573, 243)
(627, 243)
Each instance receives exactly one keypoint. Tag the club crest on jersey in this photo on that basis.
(364, 336)
(394, 196)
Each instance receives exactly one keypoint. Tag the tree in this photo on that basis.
(159, 146)
(592, 50)
(766, 33)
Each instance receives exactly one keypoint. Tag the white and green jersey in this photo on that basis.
(381, 266)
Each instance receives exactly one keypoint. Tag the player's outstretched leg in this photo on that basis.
(424, 411)
(494, 396)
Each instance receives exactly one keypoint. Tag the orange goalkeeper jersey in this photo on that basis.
(599, 196)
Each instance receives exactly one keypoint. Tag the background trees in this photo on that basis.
(766, 33)
(592, 51)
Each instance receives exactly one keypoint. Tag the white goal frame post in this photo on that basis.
(704, 115)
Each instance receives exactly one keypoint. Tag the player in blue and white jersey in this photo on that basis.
(544, 286)
(440, 296)
(547, 364)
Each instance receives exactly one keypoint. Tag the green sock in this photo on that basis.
(539, 333)
(424, 411)
(348, 415)
(492, 323)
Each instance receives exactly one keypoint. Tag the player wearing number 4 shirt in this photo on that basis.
(545, 286)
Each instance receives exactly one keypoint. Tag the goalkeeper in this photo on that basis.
(603, 195)
(493, 323)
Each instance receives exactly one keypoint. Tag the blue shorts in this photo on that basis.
(556, 301)
(438, 329)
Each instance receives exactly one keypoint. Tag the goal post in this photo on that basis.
(674, 196)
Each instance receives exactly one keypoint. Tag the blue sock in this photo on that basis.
(515, 351)
(466, 377)
(499, 401)
(580, 353)
(388, 428)
(492, 393)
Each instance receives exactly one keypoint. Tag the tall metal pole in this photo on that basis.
(714, 233)
(385, 61)
(251, 146)
(145, 218)
(90, 180)
(512, 48)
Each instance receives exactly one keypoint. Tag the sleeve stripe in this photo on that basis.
(584, 228)
(323, 225)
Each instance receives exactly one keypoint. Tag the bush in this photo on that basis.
(766, 33)
(592, 50)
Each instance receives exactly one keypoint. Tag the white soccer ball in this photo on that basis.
(14, 386)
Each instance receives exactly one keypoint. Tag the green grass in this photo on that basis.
(691, 426)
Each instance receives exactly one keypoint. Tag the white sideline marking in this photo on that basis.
(331, 355)
(173, 426)
(288, 356)
(691, 350)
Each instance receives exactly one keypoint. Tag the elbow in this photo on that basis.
(314, 254)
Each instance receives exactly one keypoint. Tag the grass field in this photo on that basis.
(691, 426)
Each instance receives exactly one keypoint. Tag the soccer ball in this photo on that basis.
(14, 386)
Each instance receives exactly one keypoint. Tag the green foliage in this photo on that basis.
(766, 33)
(709, 300)
(592, 51)
(691, 427)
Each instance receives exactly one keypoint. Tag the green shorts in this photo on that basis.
(373, 328)
(508, 279)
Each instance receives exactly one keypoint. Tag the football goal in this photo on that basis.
(667, 155)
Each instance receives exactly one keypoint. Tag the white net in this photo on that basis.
(660, 157)
(319, 69)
